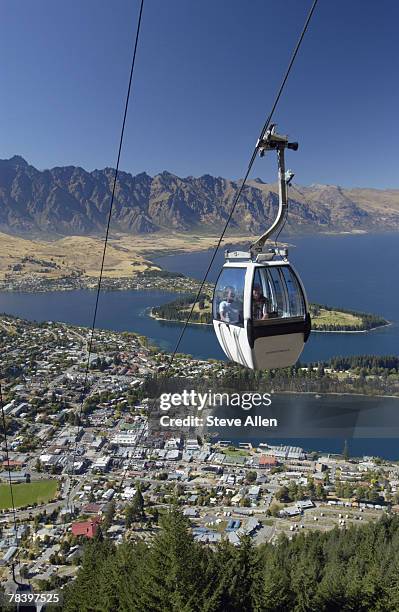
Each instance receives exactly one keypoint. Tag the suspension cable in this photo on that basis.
(90, 344)
(251, 163)
(92, 330)
(236, 199)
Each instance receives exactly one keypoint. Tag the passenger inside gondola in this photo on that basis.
(260, 304)
(230, 309)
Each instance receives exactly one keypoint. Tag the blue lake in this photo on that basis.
(316, 422)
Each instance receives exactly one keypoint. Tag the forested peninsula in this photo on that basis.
(324, 318)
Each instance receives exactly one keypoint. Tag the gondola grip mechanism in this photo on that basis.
(272, 141)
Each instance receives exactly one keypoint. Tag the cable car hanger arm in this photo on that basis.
(275, 142)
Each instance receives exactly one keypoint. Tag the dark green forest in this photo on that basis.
(373, 364)
(365, 374)
(177, 310)
(348, 570)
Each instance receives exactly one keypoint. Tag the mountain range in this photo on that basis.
(71, 201)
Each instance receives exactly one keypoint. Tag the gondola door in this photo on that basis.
(279, 321)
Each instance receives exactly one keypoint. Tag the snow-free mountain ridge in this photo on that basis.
(71, 201)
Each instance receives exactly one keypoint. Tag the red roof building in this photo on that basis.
(267, 461)
(12, 463)
(92, 508)
(86, 528)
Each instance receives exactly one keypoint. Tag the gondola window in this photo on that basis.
(228, 305)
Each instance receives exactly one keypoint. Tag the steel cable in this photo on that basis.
(236, 199)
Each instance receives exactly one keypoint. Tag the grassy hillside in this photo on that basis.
(126, 255)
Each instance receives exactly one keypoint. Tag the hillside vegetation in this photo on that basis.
(126, 256)
(354, 569)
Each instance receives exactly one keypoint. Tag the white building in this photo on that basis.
(124, 438)
(101, 464)
(128, 493)
(254, 492)
(173, 455)
(173, 444)
(8, 407)
(108, 494)
(192, 444)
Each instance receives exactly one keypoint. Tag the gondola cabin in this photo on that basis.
(260, 310)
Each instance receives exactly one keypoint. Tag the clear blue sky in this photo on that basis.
(206, 74)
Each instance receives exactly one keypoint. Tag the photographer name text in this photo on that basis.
(215, 421)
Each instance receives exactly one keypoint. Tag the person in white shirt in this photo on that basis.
(230, 310)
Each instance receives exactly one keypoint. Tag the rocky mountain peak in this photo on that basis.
(70, 200)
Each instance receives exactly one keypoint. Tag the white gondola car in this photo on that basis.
(260, 311)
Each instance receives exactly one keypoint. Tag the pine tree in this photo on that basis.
(129, 516)
(346, 451)
(247, 586)
(277, 592)
(330, 590)
(170, 580)
(219, 575)
(109, 516)
(85, 594)
(138, 503)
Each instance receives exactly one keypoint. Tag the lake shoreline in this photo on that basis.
(338, 393)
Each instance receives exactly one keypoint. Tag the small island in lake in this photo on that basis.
(324, 318)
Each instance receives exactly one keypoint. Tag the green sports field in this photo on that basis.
(231, 451)
(26, 494)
